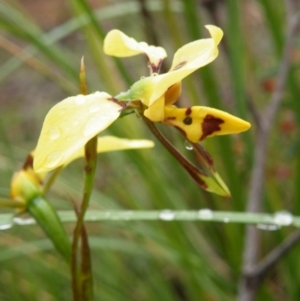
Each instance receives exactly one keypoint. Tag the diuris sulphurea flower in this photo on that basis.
(70, 124)
(158, 92)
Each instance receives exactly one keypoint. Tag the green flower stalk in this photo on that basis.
(27, 188)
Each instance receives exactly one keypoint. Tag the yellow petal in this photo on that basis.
(198, 123)
(69, 125)
(111, 143)
(156, 111)
(116, 43)
(173, 93)
(186, 60)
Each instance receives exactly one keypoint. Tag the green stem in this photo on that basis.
(90, 167)
(276, 220)
(82, 279)
(52, 178)
(49, 221)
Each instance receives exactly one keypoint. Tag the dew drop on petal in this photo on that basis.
(80, 100)
(53, 160)
(205, 214)
(95, 108)
(166, 215)
(54, 133)
(283, 218)
(188, 145)
(89, 129)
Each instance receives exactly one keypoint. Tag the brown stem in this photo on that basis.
(248, 285)
(189, 167)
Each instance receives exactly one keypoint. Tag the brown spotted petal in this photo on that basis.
(198, 123)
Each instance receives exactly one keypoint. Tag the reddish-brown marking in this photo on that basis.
(179, 65)
(210, 125)
(188, 111)
(28, 163)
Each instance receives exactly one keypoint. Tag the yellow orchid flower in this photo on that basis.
(159, 92)
(71, 123)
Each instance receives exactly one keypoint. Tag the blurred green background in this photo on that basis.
(41, 44)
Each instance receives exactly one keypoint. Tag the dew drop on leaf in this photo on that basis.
(5, 226)
(283, 218)
(205, 214)
(267, 227)
(166, 215)
(188, 145)
(23, 221)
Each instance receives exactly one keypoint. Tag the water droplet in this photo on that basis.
(143, 77)
(5, 226)
(127, 214)
(283, 218)
(205, 214)
(107, 215)
(23, 220)
(188, 145)
(166, 215)
(54, 160)
(154, 74)
(54, 133)
(226, 220)
(267, 227)
(89, 129)
(80, 100)
(95, 107)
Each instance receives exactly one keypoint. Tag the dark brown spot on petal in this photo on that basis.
(188, 120)
(188, 111)
(171, 118)
(210, 125)
(179, 65)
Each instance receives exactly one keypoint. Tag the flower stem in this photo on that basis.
(82, 280)
(190, 168)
